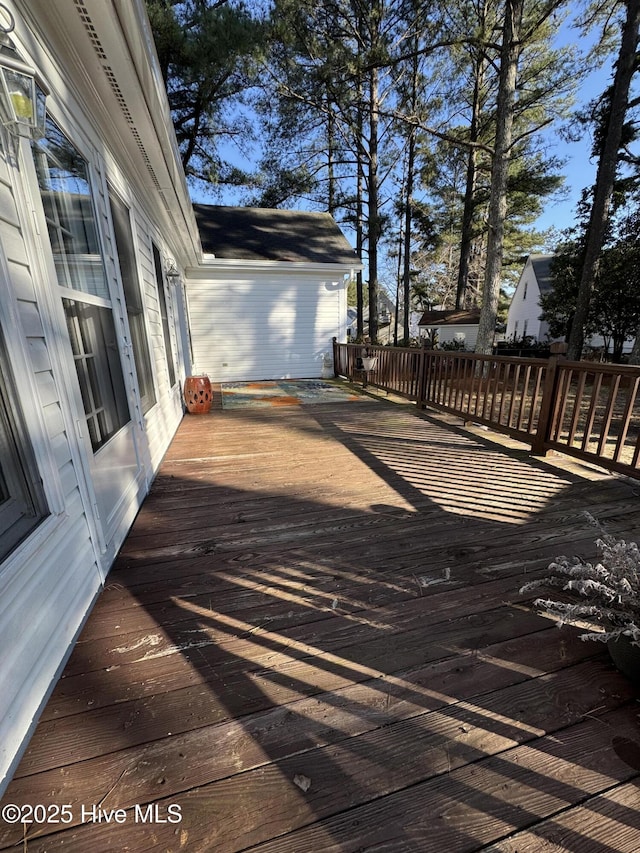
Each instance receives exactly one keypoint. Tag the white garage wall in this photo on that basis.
(271, 324)
(446, 334)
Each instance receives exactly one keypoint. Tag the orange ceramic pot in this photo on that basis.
(197, 394)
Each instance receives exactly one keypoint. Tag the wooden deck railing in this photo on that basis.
(397, 370)
(587, 410)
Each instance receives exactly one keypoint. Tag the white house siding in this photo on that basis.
(524, 311)
(50, 580)
(524, 314)
(447, 334)
(265, 325)
(44, 592)
(162, 419)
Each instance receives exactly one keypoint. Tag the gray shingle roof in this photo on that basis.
(450, 318)
(542, 268)
(261, 234)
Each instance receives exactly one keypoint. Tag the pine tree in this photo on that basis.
(610, 141)
(207, 51)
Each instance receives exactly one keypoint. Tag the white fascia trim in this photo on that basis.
(214, 266)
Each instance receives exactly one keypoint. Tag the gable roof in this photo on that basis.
(542, 269)
(263, 234)
(450, 318)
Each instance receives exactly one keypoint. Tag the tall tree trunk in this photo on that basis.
(398, 282)
(373, 219)
(408, 224)
(509, 56)
(466, 236)
(359, 219)
(606, 175)
(331, 178)
(408, 216)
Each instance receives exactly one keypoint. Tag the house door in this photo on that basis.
(100, 394)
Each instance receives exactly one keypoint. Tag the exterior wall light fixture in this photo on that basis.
(22, 94)
(172, 273)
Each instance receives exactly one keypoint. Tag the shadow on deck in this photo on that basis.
(313, 640)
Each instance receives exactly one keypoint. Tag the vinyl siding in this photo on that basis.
(162, 420)
(269, 326)
(49, 582)
(40, 588)
(447, 334)
(526, 308)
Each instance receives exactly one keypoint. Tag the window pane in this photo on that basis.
(133, 299)
(165, 317)
(22, 502)
(95, 351)
(4, 489)
(63, 178)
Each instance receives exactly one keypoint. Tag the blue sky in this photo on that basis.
(580, 172)
(580, 168)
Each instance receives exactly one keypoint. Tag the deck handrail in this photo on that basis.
(585, 409)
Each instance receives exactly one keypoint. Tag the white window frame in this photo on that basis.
(27, 396)
(164, 307)
(82, 296)
(144, 354)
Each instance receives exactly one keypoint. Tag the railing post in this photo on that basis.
(336, 352)
(422, 377)
(547, 407)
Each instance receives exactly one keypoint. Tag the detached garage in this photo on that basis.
(270, 294)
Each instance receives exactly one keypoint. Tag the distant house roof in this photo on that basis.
(542, 268)
(262, 234)
(450, 318)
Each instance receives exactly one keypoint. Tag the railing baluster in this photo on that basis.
(514, 392)
(562, 398)
(534, 413)
(608, 414)
(636, 453)
(626, 416)
(505, 384)
(476, 374)
(577, 406)
(588, 426)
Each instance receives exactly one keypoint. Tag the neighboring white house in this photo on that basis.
(523, 319)
(447, 327)
(270, 294)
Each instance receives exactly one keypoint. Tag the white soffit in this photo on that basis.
(104, 45)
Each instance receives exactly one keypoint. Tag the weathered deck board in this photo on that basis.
(216, 751)
(332, 592)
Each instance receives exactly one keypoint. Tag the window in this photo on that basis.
(524, 292)
(22, 502)
(133, 299)
(166, 331)
(63, 178)
(97, 359)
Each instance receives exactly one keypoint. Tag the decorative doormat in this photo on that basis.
(284, 392)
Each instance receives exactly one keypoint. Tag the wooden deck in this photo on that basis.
(313, 641)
